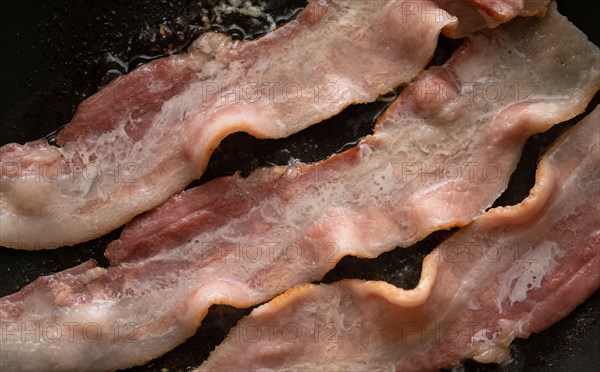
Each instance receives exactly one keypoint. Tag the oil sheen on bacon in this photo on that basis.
(242, 241)
(514, 271)
(147, 135)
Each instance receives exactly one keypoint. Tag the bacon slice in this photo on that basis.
(148, 134)
(514, 271)
(476, 15)
(242, 241)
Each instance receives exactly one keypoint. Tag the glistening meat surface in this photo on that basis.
(147, 135)
(242, 241)
(514, 271)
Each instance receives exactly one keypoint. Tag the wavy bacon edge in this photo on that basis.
(539, 197)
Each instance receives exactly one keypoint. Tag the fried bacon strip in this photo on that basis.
(243, 241)
(514, 271)
(145, 136)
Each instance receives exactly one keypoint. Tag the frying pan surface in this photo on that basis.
(54, 54)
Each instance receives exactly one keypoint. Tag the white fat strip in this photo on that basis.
(527, 273)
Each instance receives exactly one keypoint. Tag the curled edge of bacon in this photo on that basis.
(514, 271)
(477, 15)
